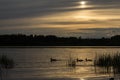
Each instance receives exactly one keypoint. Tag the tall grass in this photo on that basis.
(109, 62)
(5, 64)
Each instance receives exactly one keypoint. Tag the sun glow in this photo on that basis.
(82, 79)
(82, 2)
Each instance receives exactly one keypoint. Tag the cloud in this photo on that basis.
(18, 16)
(83, 32)
(97, 32)
(10, 9)
(114, 19)
(31, 8)
(74, 22)
(39, 31)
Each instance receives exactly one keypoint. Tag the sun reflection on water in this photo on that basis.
(82, 79)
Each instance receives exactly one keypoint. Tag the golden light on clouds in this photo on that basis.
(83, 15)
(83, 2)
(44, 17)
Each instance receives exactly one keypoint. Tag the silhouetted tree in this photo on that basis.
(52, 40)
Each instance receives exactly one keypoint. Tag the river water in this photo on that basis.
(34, 63)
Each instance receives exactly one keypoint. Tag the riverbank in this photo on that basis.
(89, 78)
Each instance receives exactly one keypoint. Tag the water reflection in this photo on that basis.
(36, 61)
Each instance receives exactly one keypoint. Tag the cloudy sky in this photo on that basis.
(86, 18)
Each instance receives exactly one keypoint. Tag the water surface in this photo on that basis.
(34, 63)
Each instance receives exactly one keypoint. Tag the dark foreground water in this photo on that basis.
(34, 63)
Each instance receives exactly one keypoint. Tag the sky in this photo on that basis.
(85, 18)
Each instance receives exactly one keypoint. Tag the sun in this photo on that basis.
(82, 2)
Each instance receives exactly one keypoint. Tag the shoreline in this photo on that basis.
(59, 46)
(66, 78)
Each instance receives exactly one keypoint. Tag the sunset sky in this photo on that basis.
(86, 18)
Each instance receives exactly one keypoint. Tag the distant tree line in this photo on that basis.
(51, 40)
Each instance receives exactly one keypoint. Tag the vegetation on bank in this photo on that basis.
(51, 40)
(110, 63)
(6, 63)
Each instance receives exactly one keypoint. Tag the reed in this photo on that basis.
(5, 64)
(109, 62)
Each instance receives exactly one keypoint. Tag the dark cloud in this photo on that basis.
(97, 32)
(99, 29)
(20, 9)
(10, 9)
(30, 8)
(114, 19)
(75, 22)
(39, 31)
(30, 23)
(84, 32)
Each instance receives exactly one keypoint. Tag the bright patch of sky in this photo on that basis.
(94, 18)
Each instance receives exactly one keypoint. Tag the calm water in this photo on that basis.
(34, 63)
